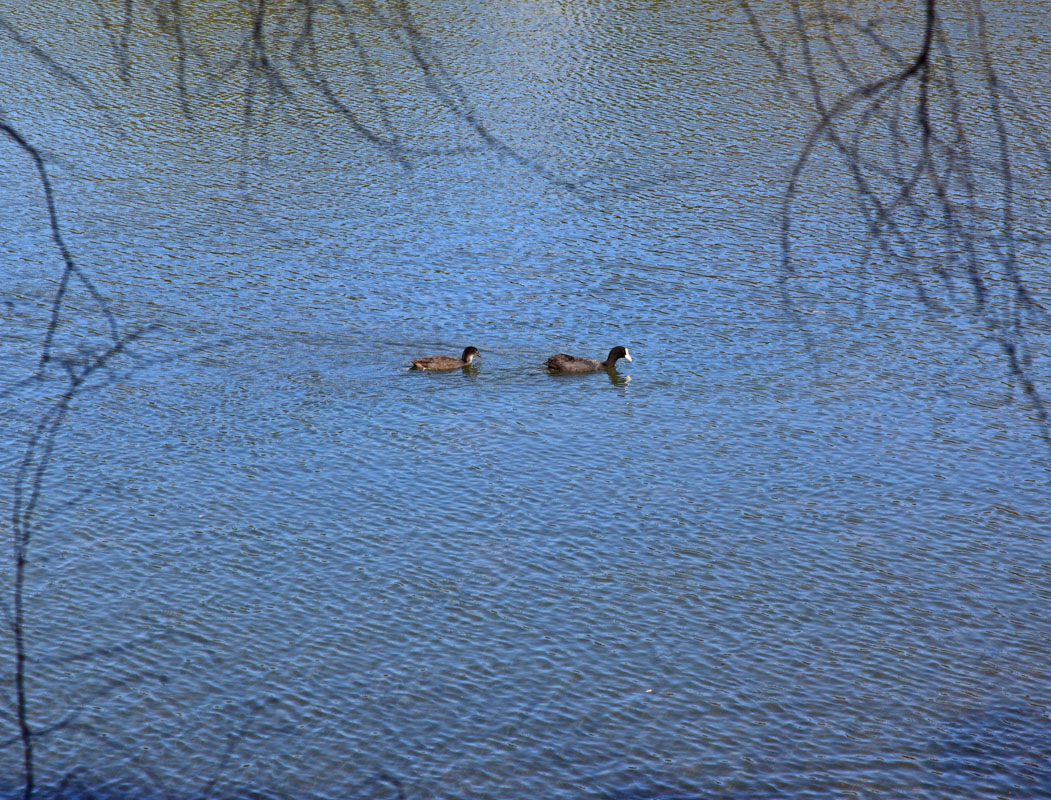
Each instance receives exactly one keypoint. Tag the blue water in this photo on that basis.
(791, 550)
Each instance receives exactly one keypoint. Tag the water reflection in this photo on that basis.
(614, 376)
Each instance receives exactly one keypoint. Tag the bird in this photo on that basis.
(560, 362)
(446, 362)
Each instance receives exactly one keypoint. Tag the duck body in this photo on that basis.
(446, 362)
(560, 362)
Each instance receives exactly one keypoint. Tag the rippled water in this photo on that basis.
(785, 552)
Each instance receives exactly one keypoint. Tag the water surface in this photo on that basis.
(789, 551)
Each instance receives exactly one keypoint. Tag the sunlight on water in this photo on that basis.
(789, 550)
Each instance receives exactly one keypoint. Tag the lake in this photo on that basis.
(797, 548)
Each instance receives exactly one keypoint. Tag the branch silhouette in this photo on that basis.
(909, 150)
(28, 485)
(69, 269)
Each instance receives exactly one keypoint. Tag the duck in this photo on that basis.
(560, 362)
(447, 362)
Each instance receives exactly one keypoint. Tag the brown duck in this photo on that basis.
(446, 362)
